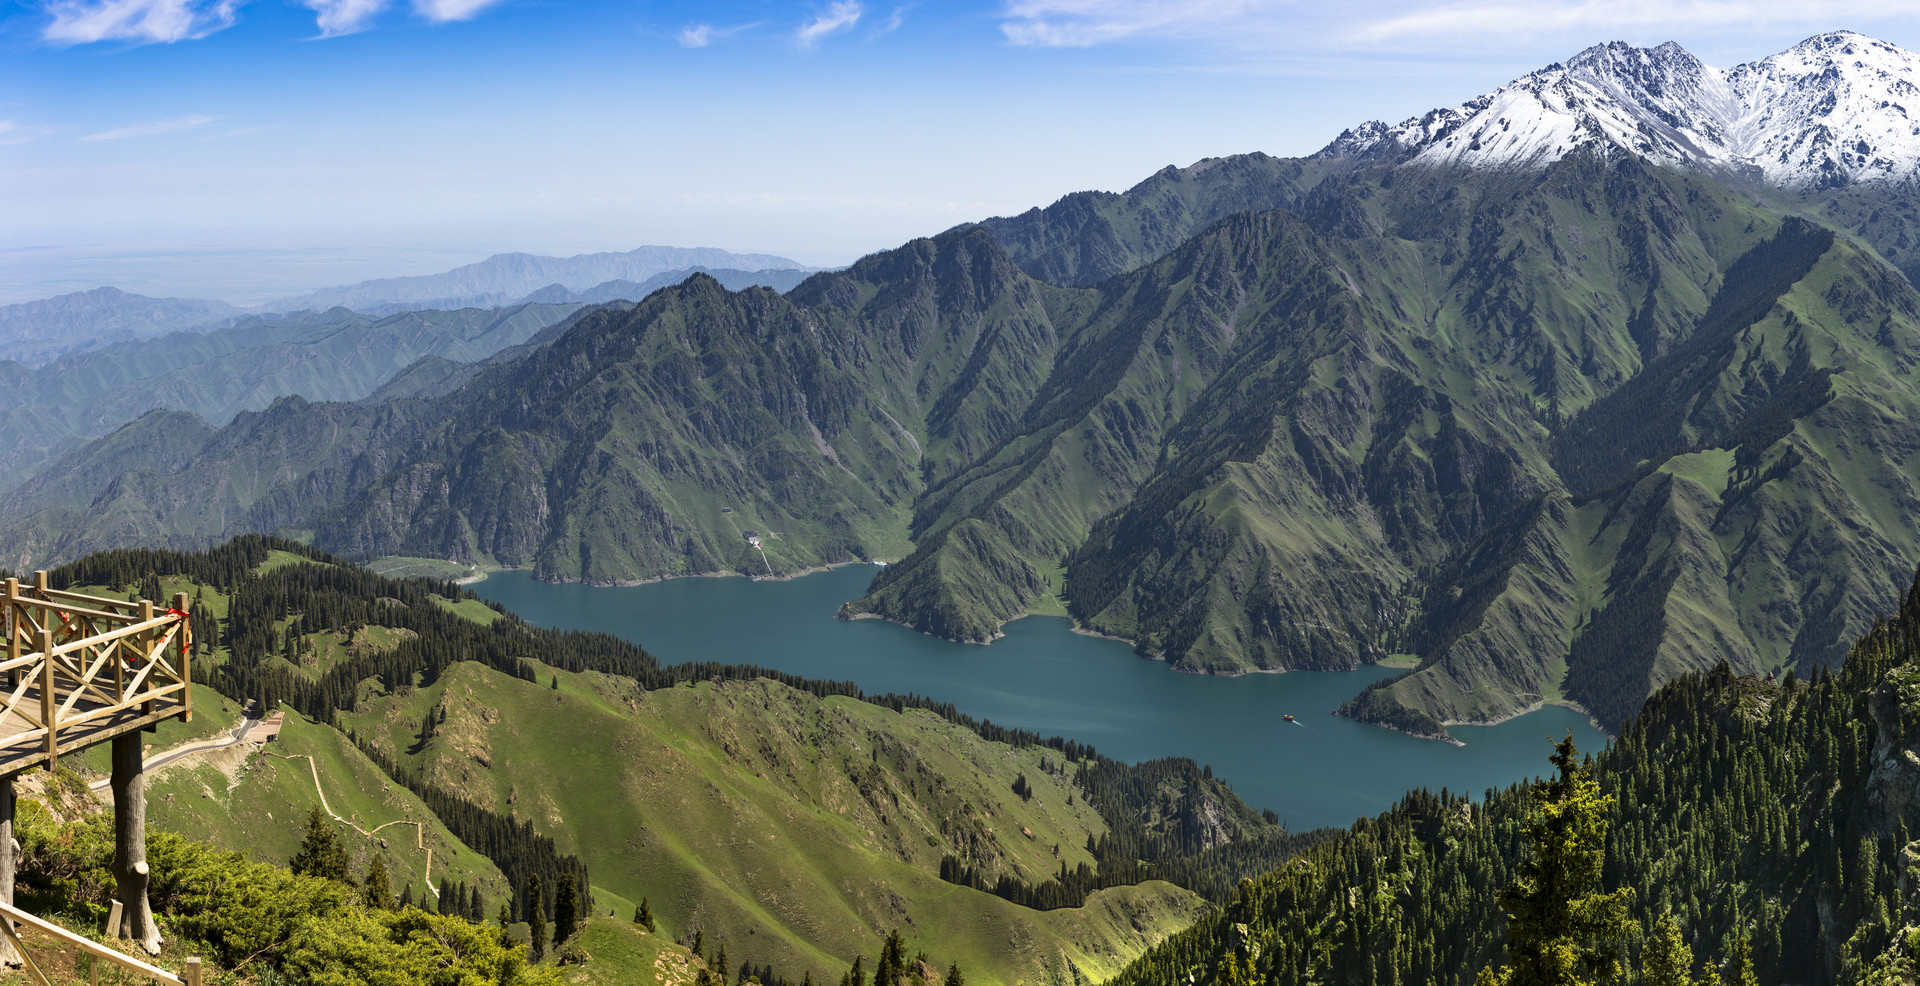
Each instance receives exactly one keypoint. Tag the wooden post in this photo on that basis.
(47, 704)
(184, 605)
(130, 843)
(8, 955)
(192, 971)
(16, 629)
(145, 614)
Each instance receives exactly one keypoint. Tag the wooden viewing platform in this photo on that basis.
(81, 670)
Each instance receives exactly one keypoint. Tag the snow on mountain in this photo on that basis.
(1829, 111)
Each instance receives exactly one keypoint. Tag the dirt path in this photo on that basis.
(420, 830)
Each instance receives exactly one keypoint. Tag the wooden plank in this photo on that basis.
(115, 634)
(89, 946)
(80, 597)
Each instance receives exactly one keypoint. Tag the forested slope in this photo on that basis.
(1742, 807)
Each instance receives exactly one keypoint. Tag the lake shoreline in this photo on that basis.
(1052, 678)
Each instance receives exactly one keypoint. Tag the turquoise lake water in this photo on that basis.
(1044, 677)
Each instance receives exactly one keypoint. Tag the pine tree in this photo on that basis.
(720, 962)
(893, 960)
(536, 916)
(566, 911)
(321, 853)
(406, 896)
(643, 916)
(378, 892)
(858, 974)
(1560, 930)
(1740, 967)
(1667, 961)
(954, 978)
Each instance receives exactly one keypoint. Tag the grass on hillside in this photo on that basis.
(406, 567)
(798, 830)
(257, 803)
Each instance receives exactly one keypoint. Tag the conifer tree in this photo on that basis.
(1667, 961)
(643, 916)
(954, 978)
(858, 974)
(406, 896)
(1561, 931)
(566, 911)
(321, 853)
(536, 915)
(378, 892)
(720, 962)
(1740, 967)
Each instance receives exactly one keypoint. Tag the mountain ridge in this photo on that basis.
(512, 275)
(1823, 114)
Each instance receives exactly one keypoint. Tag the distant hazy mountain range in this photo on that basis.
(507, 276)
(779, 279)
(1561, 417)
(36, 332)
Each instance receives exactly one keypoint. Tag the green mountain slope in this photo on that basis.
(749, 805)
(1560, 435)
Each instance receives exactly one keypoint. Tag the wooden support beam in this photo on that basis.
(9, 956)
(182, 604)
(146, 616)
(47, 697)
(130, 843)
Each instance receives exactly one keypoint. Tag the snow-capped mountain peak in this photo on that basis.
(1828, 111)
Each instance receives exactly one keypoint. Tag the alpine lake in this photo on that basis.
(1321, 770)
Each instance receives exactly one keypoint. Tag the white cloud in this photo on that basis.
(702, 35)
(78, 22)
(842, 16)
(1538, 17)
(892, 23)
(150, 129)
(338, 17)
(442, 11)
(1084, 23)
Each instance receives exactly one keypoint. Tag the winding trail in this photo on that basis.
(419, 829)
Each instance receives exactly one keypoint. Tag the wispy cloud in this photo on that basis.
(150, 129)
(702, 35)
(77, 22)
(338, 17)
(842, 16)
(442, 11)
(1541, 17)
(892, 23)
(12, 133)
(1084, 23)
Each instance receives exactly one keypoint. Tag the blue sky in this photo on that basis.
(221, 148)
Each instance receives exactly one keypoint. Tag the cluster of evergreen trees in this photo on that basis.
(1742, 827)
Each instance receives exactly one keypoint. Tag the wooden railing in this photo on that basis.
(10, 914)
(81, 669)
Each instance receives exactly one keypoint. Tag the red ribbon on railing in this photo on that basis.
(186, 629)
